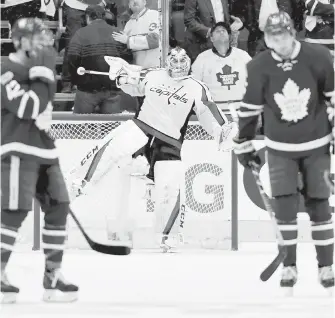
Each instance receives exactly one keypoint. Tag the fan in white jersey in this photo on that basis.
(223, 68)
(157, 131)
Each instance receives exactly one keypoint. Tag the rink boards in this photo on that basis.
(220, 199)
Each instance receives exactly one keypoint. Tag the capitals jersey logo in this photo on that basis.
(227, 77)
(293, 102)
(172, 94)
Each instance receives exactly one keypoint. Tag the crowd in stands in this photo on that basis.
(130, 29)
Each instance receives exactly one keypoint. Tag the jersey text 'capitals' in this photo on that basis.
(170, 94)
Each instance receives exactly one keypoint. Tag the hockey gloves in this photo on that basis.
(245, 152)
(224, 136)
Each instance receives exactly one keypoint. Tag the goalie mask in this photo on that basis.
(30, 34)
(178, 63)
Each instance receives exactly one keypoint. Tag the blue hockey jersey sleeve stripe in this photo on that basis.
(29, 150)
(330, 94)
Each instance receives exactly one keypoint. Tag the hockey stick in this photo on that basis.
(329, 179)
(98, 247)
(269, 271)
(173, 217)
(94, 164)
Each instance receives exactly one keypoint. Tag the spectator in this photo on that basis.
(177, 25)
(222, 68)
(74, 19)
(200, 16)
(256, 12)
(15, 9)
(141, 34)
(87, 48)
(319, 23)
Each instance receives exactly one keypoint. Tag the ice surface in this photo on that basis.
(199, 284)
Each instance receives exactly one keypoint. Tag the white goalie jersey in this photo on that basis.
(169, 103)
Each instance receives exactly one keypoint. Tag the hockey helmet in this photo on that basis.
(178, 63)
(34, 30)
(278, 23)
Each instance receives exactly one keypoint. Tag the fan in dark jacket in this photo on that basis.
(87, 49)
(250, 10)
(200, 16)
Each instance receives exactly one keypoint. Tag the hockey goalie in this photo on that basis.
(157, 132)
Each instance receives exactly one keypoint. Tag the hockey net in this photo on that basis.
(205, 192)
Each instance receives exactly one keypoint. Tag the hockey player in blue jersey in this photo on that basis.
(292, 83)
(29, 159)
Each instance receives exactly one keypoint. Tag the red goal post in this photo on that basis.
(209, 190)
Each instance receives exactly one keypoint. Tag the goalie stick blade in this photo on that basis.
(270, 270)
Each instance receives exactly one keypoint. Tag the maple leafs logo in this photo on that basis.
(293, 103)
(227, 77)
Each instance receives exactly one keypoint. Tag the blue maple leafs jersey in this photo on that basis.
(292, 94)
(22, 100)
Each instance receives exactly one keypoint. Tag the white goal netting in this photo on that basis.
(205, 191)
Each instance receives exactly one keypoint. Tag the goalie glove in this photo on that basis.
(43, 120)
(119, 67)
(224, 136)
(246, 152)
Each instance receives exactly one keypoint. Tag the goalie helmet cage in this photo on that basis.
(76, 134)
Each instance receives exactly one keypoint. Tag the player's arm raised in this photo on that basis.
(133, 82)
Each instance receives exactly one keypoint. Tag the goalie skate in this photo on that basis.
(170, 243)
(9, 292)
(288, 280)
(57, 289)
(326, 278)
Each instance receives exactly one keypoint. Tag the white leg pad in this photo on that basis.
(128, 139)
(168, 176)
(118, 219)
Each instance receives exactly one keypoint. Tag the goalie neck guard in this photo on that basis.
(178, 63)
